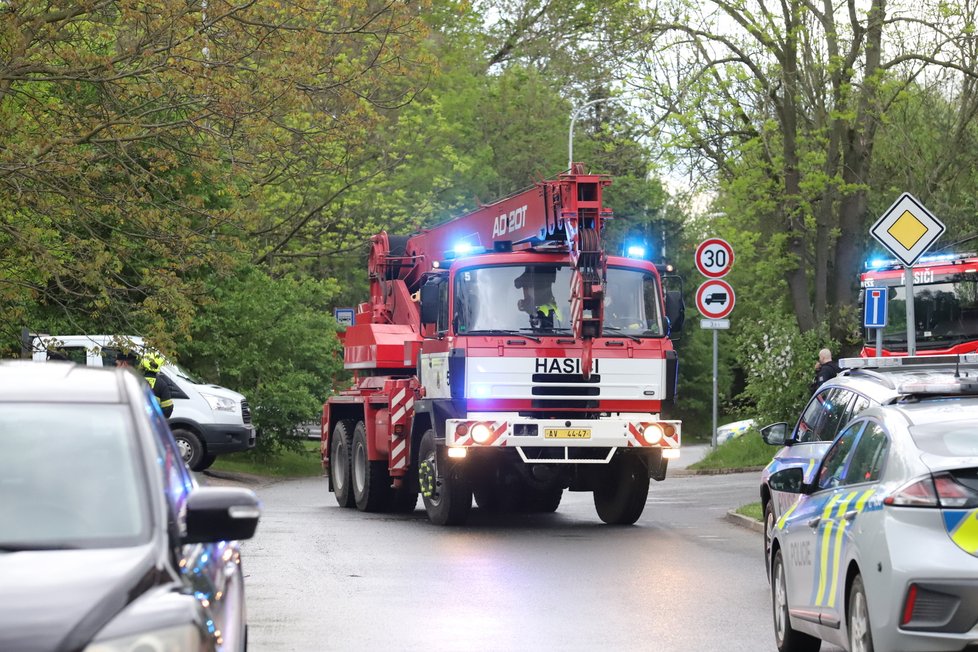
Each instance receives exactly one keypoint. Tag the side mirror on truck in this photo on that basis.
(430, 300)
(675, 311)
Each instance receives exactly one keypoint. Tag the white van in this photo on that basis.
(207, 420)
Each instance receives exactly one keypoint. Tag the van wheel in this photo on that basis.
(339, 462)
(191, 448)
(620, 500)
(371, 482)
(206, 462)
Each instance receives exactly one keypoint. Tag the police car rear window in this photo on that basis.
(954, 439)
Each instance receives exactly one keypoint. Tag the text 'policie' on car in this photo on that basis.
(106, 542)
(875, 543)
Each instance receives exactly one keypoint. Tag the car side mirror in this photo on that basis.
(430, 300)
(775, 434)
(790, 481)
(675, 310)
(221, 514)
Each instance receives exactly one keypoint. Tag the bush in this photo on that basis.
(274, 340)
(780, 365)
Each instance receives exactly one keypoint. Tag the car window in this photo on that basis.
(76, 354)
(821, 419)
(868, 456)
(811, 418)
(70, 476)
(834, 464)
(857, 405)
(836, 408)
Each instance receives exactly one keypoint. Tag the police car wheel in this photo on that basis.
(768, 534)
(786, 638)
(860, 632)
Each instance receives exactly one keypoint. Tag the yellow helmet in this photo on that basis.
(151, 361)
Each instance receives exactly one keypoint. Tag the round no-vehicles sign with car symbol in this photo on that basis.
(715, 299)
(714, 257)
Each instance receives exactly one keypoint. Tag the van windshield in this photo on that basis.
(177, 370)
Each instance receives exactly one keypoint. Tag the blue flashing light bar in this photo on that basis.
(635, 251)
(881, 263)
(464, 249)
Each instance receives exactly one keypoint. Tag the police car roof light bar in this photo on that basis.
(908, 361)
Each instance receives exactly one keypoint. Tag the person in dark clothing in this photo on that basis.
(825, 369)
(150, 366)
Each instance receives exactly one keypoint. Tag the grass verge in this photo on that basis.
(751, 510)
(746, 451)
(290, 464)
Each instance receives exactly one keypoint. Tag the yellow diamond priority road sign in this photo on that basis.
(907, 229)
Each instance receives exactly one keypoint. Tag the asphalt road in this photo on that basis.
(683, 578)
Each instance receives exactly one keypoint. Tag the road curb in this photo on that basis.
(744, 469)
(745, 521)
(242, 478)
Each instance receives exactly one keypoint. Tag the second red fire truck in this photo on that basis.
(503, 355)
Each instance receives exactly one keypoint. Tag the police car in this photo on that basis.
(863, 383)
(879, 549)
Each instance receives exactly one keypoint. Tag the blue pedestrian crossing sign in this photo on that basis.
(874, 311)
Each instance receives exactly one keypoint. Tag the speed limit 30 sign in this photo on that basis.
(714, 257)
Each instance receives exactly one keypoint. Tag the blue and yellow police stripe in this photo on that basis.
(829, 548)
(962, 526)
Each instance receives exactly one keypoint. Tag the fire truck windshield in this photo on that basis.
(536, 299)
(946, 314)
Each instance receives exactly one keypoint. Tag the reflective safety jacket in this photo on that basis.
(161, 388)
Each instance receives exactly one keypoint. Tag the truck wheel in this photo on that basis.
(206, 462)
(449, 501)
(371, 482)
(339, 462)
(621, 498)
(191, 449)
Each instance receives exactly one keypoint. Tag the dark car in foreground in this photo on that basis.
(106, 541)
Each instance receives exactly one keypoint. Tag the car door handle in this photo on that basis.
(850, 515)
(814, 522)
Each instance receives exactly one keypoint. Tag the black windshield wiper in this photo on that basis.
(620, 334)
(503, 332)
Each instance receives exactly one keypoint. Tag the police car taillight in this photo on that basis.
(940, 491)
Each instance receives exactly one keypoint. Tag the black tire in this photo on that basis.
(857, 618)
(371, 481)
(206, 462)
(404, 500)
(786, 638)
(621, 498)
(339, 462)
(768, 534)
(450, 501)
(191, 448)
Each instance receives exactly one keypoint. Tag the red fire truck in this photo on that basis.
(945, 289)
(503, 354)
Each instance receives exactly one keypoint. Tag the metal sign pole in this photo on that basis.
(911, 319)
(714, 389)
(879, 342)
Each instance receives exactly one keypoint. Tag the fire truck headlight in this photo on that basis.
(481, 433)
(653, 433)
(481, 391)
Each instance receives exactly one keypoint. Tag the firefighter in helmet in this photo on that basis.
(150, 364)
(538, 297)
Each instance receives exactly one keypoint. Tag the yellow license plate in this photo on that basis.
(567, 433)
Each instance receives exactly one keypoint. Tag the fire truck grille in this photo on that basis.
(566, 378)
(564, 404)
(566, 391)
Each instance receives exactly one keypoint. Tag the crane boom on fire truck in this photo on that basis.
(502, 353)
